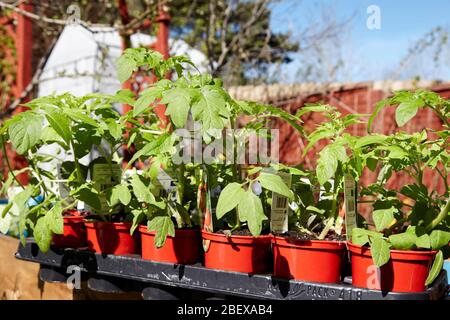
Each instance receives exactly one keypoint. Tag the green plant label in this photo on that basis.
(105, 176)
(350, 205)
(279, 213)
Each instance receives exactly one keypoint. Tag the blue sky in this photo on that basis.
(402, 23)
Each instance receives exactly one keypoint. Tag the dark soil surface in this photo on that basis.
(75, 213)
(243, 232)
(294, 235)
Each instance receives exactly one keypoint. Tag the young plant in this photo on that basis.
(73, 126)
(344, 155)
(414, 217)
(198, 100)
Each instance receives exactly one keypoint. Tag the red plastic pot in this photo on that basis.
(184, 248)
(238, 253)
(313, 261)
(406, 271)
(74, 233)
(112, 238)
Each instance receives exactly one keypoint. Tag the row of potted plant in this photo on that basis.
(264, 218)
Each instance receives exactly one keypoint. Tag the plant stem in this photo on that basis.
(442, 215)
(5, 156)
(235, 171)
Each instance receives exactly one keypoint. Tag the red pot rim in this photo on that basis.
(108, 225)
(395, 254)
(178, 232)
(217, 237)
(308, 244)
(73, 219)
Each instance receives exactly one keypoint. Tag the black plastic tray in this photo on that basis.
(117, 274)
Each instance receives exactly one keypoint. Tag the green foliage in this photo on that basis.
(414, 217)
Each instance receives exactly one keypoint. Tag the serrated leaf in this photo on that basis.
(78, 115)
(383, 218)
(251, 211)
(362, 237)
(436, 268)
(55, 219)
(406, 111)
(60, 123)
(42, 235)
(178, 104)
(115, 130)
(88, 195)
(229, 198)
(370, 139)
(25, 133)
(313, 108)
(275, 184)
(403, 241)
(317, 136)
(423, 241)
(124, 96)
(125, 66)
(141, 191)
(439, 239)
(147, 97)
(379, 106)
(380, 251)
(163, 226)
(210, 109)
(328, 162)
(120, 193)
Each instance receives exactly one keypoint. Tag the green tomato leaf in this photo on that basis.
(383, 218)
(115, 129)
(25, 132)
(275, 184)
(250, 210)
(178, 104)
(125, 66)
(403, 241)
(141, 191)
(371, 139)
(423, 241)
(435, 269)
(379, 106)
(380, 251)
(88, 195)
(210, 108)
(60, 123)
(439, 239)
(406, 111)
(147, 97)
(42, 235)
(362, 237)
(120, 193)
(229, 198)
(55, 220)
(328, 162)
(163, 226)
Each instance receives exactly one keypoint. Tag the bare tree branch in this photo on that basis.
(135, 23)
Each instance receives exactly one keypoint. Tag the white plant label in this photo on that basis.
(350, 204)
(165, 186)
(279, 214)
(106, 176)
